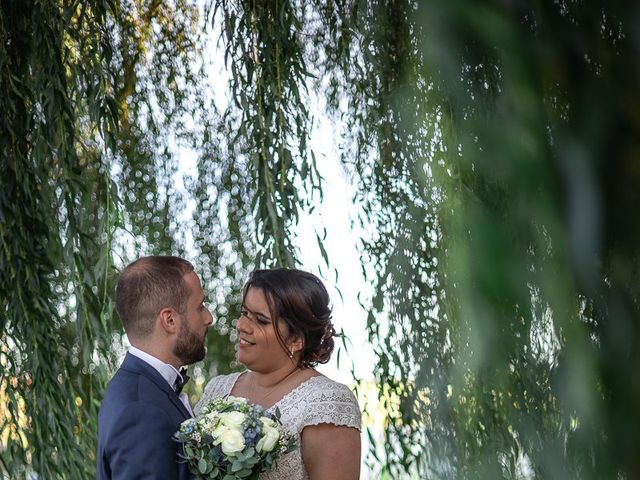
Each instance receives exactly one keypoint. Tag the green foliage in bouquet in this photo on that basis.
(232, 439)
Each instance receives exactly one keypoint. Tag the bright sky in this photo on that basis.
(335, 212)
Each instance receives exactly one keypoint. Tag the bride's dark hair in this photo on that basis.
(300, 300)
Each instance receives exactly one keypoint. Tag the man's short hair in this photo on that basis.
(148, 285)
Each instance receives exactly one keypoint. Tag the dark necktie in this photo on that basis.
(181, 380)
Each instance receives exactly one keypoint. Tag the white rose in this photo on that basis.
(267, 422)
(232, 419)
(231, 439)
(270, 436)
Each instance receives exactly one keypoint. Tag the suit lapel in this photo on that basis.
(134, 364)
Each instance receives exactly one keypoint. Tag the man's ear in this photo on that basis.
(167, 320)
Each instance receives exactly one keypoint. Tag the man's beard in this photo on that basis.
(189, 347)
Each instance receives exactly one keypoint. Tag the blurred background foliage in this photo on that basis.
(494, 147)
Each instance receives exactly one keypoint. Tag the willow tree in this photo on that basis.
(493, 147)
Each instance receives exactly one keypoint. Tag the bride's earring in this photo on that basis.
(291, 354)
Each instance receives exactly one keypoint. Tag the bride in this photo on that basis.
(283, 332)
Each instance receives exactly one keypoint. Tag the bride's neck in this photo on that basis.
(272, 378)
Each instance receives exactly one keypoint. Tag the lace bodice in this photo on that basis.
(315, 401)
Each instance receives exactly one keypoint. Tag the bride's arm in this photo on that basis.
(331, 452)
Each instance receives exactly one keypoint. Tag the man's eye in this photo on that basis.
(244, 313)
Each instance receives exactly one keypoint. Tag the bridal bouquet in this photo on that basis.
(232, 439)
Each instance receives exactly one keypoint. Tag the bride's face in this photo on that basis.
(258, 346)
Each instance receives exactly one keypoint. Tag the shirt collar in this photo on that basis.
(168, 372)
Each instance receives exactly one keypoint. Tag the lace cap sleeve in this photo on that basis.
(331, 402)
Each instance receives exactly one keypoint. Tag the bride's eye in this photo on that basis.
(244, 312)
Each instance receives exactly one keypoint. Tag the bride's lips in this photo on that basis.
(243, 342)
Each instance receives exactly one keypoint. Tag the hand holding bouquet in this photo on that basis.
(232, 439)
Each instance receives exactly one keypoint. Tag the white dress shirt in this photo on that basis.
(167, 371)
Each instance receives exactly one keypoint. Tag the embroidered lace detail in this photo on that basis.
(315, 401)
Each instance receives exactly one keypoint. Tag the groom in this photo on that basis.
(160, 302)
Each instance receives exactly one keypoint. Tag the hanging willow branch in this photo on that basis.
(57, 208)
(264, 53)
(488, 320)
(95, 97)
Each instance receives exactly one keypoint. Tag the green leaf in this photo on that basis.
(249, 452)
(236, 466)
(202, 466)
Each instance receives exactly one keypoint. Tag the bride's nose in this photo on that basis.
(244, 324)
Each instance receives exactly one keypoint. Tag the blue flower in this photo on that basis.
(250, 437)
(188, 426)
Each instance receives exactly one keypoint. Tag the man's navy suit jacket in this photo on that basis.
(138, 417)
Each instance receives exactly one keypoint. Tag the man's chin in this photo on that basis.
(193, 358)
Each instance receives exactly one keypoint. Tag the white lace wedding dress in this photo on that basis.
(315, 401)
